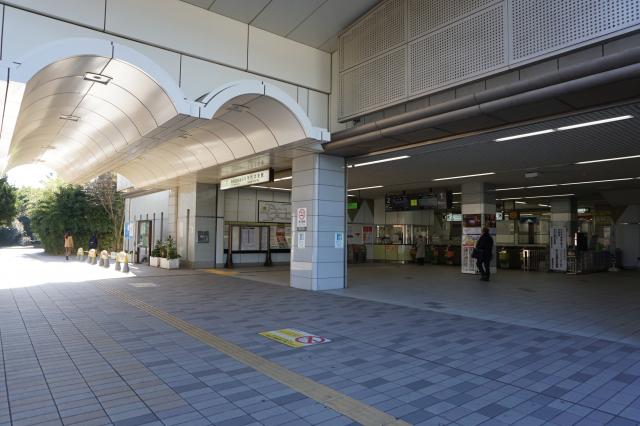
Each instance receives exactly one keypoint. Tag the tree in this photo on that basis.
(67, 208)
(8, 210)
(103, 190)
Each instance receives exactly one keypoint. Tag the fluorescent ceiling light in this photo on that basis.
(384, 160)
(542, 186)
(544, 205)
(69, 117)
(455, 202)
(460, 193)
(283, 178)
(465, 176)
(98, 78)
(521, 202)
(595, 181)
(593, 123)
(365, 187)
(508, 199)
(269, 187)
(510, 189)
(549, 196)
(525, 135)
(608, 159)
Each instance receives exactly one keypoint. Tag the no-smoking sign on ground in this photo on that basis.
(294, 338)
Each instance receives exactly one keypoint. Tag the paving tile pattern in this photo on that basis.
(73, 355)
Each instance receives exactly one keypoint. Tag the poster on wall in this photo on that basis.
(367, 234)
(354, 234)
(274, 212)
(301, 240)
(558, 248)
(249, 238)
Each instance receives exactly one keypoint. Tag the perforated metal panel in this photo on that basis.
(466, 48)
(426, 16)
(379, 31)
(543, 26)
(378, 82)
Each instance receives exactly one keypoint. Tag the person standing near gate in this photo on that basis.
(483, 254)
(68, 244)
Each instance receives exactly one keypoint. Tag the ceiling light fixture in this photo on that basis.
(510, 189)
(549, 196)
(608, 159)
(460, 193)
(542, 186)
(525, 135)
(595, 181)
(98, 78)
(521, 202)
(465, 176)
(508, 199)
(283, 178)
(269, 187)
(69, 117)
(366, 187)
(593, 123)
(384, 160)
(544, 205)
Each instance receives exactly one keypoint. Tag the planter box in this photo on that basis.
(154, 261)
(169, 263)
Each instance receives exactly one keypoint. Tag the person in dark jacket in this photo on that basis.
(484, 249)
(93, 241)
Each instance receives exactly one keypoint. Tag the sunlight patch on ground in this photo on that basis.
(27, 267)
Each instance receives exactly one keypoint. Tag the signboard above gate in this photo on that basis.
(253, 178)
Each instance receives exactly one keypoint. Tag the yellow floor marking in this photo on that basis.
(221, 272)
(341, 403)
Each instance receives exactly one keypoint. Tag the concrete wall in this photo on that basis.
(202, 51)
(153, 207)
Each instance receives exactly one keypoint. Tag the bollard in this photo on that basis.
(125, 267)
(91, 256)
(79, 254)
(104, 258)
(101, 262)
(118, 264)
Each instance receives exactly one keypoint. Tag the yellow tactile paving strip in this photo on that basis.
(221, 272)
(343, 404)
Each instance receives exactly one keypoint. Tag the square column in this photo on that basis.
(564, 224)
(478, 211)
(318, 250)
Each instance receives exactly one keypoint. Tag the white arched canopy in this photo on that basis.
(237, 121)
(98, 107)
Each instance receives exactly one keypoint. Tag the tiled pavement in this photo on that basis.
(73, 355)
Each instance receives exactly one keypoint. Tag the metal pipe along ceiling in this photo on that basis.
(609, 69)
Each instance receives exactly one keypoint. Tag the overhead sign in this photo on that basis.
(294, 338)
(252, 178)
(301, 217)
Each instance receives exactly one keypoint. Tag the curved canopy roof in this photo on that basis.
(88, 114)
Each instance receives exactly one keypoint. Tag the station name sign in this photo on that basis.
(253, 178)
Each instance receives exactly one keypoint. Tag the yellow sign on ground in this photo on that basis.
(294, 338)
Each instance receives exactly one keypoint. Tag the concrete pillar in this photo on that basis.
(172, 214)
(564, 214)
(318, 260)
(478, 211)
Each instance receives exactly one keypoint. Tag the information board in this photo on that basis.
(274, 212)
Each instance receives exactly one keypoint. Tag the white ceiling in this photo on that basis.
(315, 23)
(552, 155)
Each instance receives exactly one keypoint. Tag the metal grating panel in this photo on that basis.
(426, 16)
(379, 31)
(376, 83)
(462, 50)
(543, 26)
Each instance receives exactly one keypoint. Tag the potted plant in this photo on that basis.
(172, 259)
(156, 254)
